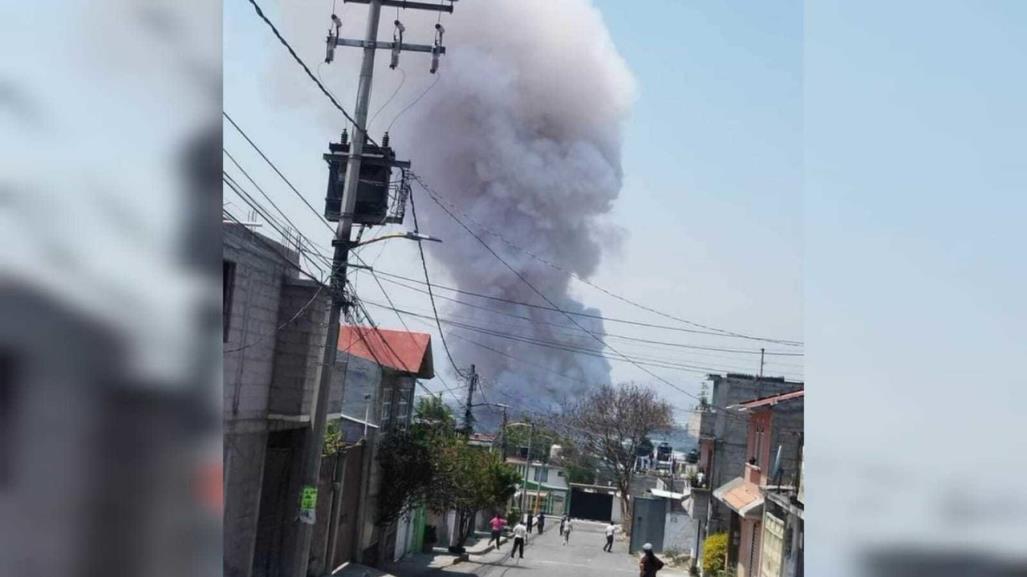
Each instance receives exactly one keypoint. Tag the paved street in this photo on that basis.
(546, 556)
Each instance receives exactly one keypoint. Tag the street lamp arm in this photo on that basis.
(407, 235)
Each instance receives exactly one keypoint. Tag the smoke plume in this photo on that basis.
(522, 132)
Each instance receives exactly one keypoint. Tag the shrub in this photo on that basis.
(714, 552)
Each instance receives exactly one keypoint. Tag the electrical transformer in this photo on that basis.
(372, 206)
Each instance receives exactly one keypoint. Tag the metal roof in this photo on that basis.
(402, 351)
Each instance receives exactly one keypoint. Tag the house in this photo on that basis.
(377, 371)
(774, 441)
(722, 443)
(544, 487)
(273, 336)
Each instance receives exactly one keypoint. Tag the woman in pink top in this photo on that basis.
(497, 523)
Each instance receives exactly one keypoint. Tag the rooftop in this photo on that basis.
(401, 351)
(770, 400)
(748, 377)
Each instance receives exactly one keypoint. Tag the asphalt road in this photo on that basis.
(546, 556)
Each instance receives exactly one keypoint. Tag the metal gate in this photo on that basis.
(591, 506)
(648, 517)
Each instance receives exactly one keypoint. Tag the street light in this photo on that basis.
(407, 235)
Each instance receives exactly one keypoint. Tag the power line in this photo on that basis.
(574, 275)
(570, 327)
(310, 74)
(553, 345)
(566, 312)
(543, 296)
(431, 295)
(278, 172)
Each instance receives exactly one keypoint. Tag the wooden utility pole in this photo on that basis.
(342, 242)
(472, 383)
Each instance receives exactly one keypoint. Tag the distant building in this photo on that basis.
(766, 524)
(723, 439)
(547, 488)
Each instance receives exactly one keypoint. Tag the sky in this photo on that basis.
(707, 226)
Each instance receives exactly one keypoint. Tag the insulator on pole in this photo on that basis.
(436, 50)
(397, 42)
(333, 36)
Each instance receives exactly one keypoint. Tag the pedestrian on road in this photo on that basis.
(497, 523)
(567, 531)
(520, 533)
(563, 523)
(531, 519)
(649, 564)
(610, 530)
(541, 522)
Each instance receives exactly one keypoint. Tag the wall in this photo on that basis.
(679, 530)
(730, 452)
(275, 338)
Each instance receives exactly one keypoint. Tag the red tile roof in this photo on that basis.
(402, 351)
(772, 400)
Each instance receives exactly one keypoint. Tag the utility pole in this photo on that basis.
(468, 414)
(762, 350)
(502, 431)
(342, 242)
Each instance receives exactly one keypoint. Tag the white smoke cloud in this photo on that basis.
(522, 132)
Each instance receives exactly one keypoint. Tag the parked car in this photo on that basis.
(693, 456)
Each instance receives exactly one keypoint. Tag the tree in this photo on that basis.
(406, 462)
(612, 422)
(468, 479)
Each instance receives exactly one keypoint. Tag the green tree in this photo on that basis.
(406, 462)
(468, 479)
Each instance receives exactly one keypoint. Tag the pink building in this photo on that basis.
(773, 449)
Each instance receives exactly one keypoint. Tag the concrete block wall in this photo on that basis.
(303, 316)
(252, 323)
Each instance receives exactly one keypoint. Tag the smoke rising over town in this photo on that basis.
(521, 131)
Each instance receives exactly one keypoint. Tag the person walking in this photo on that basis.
(531, 519)
(567, 531)
(541, 522)
(497, 524)
(520, 533)
(611, 529)
(563, 523)
(649, 564)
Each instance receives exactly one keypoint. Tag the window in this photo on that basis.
(228, 287)
(541, 474)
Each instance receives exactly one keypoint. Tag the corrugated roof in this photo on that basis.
(770, 401)
(402, 351)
